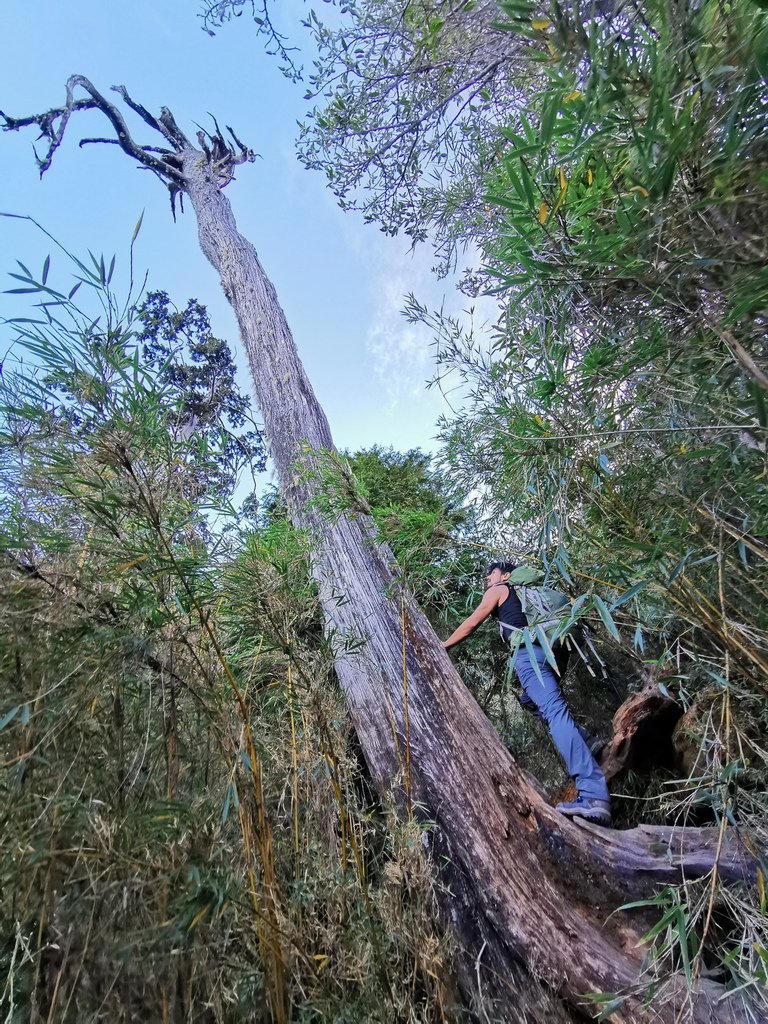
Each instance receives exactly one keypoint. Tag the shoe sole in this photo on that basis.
(596, 817)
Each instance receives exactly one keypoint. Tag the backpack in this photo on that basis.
(543, 607)
(545, 610)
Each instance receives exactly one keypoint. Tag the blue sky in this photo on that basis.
(340, 282)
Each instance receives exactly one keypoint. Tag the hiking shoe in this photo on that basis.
(598, 811)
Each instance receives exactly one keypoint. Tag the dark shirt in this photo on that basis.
(510, 614)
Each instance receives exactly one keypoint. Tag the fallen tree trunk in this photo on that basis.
(642, 732)
(537, 888)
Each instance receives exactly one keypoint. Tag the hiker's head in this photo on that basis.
(498, 572)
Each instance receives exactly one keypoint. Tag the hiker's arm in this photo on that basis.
(469, 625)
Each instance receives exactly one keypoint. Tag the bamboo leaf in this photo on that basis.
(529, 642)
(9, 717)
(130, 565)
(682, 937)
(610, 1008)
(137, 229)
(198, 917)
(512, 661)
(635, 589)
(605, 615)
(541, 637)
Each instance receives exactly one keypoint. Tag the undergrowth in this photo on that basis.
(188, 833)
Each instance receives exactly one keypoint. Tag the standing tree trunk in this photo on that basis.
(527, 884)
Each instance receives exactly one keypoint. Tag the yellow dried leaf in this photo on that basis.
(563, 180)
(643, 191)
(560, 199)
(543, 213)
(541, 23)
(129, 565)
(323, 960)
(198, 917)
(590, 176)
(573, 96)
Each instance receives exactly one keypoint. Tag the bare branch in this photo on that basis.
(166, 163)
(742, 357)
(171, 130)
(215, 124)
(220, 153)
(243, 149)
(53, 125)
(169, 157)
(47, 124)
(106, 142)
(217, 12)
(201, 140)
(175, 191)
(143, 113)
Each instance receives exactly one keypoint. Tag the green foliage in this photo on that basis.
(389, 478)
(424, 520)
(430, 527)
(408, 99)
(615, 419)
(611, 420)
(418, 513)
(188, 834)
(210, 405)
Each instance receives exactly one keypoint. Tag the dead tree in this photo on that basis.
(527, 885)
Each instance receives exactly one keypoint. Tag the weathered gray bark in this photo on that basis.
(538, 886)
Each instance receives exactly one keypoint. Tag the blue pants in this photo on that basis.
(548, 701)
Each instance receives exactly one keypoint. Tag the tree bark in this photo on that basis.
(543, 884)
(642, 732)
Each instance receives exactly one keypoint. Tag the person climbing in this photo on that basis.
(502, 602)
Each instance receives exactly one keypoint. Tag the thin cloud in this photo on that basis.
(403, 353)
